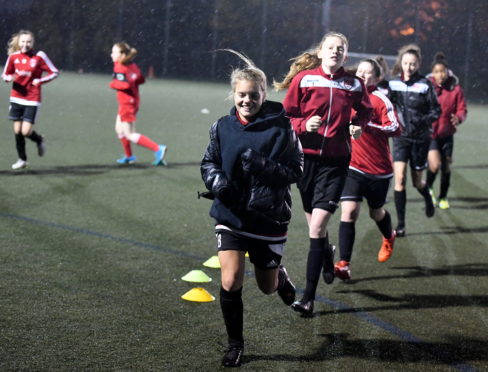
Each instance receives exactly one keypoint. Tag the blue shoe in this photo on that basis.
(159, 156)
(127, 160)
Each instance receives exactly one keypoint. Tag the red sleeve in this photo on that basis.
(47, 66)
(292, 106)
(120, 81)
(461, 109)
(9, 68)
(385, 117)
(363, 108)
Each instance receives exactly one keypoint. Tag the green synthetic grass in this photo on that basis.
(92, 255)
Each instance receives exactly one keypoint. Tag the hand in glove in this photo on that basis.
(252, 161)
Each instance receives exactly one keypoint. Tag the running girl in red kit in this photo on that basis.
(370, 172)
(25, 68)
(126, 80)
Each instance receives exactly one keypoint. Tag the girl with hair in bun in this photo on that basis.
(320, 101)
(24, 69)
(453, 112)
(251, 160)
(415, 101)
(126, 80)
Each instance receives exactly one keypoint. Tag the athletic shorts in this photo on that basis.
(444, 145)
(262, 253)
(19, 112)
(128, 113)
(359, 185)
(413, 151)
(322, 182)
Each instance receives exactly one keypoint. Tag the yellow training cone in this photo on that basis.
(197, 276)
(198, 295)
(212, 262)
(247, 254)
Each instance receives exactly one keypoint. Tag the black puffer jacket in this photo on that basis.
(249, 169)
(416, 104)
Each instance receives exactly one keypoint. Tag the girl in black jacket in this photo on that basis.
(415, 101)
(252, 159)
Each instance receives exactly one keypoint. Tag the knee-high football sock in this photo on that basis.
(347, 234)
(430, 178)
(445, 183)
(35, 137)
(233, 312)
(400, 204)
(148, 143)
(385, 225)
(20, 146)
(315, 261)
(126, 146)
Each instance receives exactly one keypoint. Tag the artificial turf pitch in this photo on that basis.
(92, 254)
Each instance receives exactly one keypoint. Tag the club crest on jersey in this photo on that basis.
(33, 63)
(133, 76)
(24, 61)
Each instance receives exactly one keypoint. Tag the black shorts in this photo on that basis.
(263, 254)
(322, 182)
(19, 112)
(359, 185)
(444, 145)
(413, 150)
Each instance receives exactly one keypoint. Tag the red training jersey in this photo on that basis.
(451, 98)
(126, 80)
(25, 68)
(332, 97)
(371, 151)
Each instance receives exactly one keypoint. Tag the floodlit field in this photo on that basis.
(92, 254)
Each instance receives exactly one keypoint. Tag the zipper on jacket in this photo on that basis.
(328, 117)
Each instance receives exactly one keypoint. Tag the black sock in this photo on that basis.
(315, 262)
(445, 183)
(425, 192)
(34, 136)
(385, 225)
(233, 312)
(347, 234)
(20, 145)
(430, 178)
(400, 204)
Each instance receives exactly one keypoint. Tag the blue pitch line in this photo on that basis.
(404, 335)
(102, 235)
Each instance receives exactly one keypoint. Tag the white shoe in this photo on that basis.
(19, 164)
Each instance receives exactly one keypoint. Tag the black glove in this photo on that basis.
(226, 195)
(252, 161)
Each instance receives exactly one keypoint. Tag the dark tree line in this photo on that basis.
(178, 38)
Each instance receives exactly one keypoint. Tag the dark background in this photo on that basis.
(177, 37)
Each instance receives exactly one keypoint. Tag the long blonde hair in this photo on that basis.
(127, 51)
(307, 60)
(13, 43)
(406, 49)
(249, 73)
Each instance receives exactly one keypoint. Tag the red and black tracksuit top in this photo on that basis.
(332, 97)
(126, 81)
(371, 151)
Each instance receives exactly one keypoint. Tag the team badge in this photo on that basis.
(24, 61)
(33, 63)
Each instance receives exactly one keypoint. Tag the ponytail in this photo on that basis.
(128, 53)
